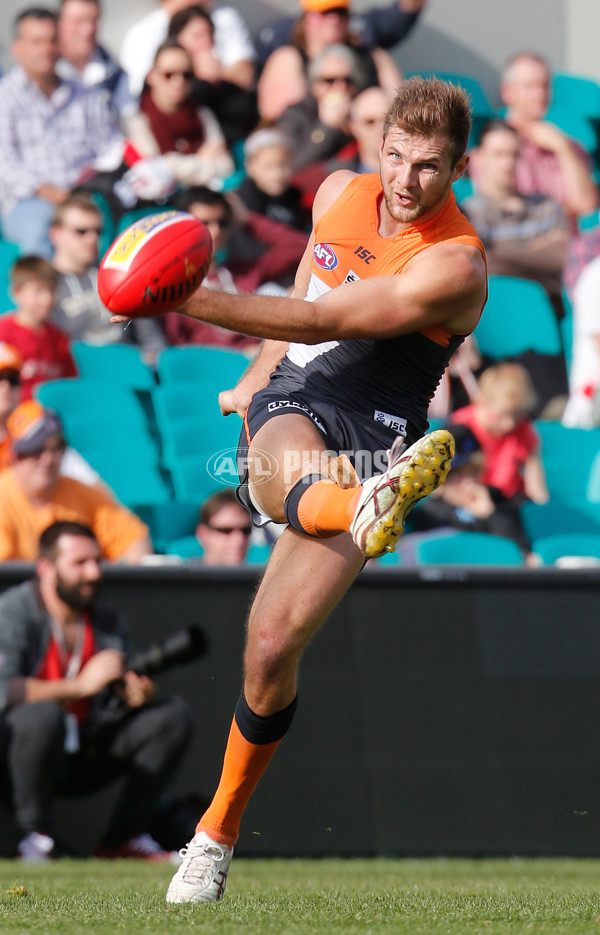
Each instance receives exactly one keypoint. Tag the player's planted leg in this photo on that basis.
(279, 628)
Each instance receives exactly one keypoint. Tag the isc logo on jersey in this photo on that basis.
(324, 256)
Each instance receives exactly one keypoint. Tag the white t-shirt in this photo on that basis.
(232, 42)
(585, 362)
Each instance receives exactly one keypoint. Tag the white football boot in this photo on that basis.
(387, 499)
(202, 875)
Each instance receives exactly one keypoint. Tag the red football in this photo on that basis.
(155, 264)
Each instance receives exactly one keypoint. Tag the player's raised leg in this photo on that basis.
(303, 493)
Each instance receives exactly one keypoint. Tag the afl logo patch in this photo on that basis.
(324, 256)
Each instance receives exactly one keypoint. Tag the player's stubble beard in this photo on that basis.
(404, 215)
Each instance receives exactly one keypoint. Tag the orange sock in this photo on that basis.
(244, 764)
(326, 509)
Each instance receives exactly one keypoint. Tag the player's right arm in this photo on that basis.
(257, 375)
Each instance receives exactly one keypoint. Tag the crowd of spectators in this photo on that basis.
(194, 112)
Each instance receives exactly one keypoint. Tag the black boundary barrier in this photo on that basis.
(442, 711)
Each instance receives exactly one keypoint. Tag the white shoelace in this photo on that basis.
(203, 860)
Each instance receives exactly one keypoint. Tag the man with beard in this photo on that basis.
(392, 280)
(72, 717)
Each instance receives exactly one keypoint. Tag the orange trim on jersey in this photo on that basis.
(439, 334)
(246, 426)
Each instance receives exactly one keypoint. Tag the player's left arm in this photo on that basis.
(446, 284)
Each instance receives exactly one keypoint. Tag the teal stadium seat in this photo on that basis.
(115, 363)
(134, 480)
(258, 554)
(9, 252)
(593, 487)
(214, 367)
(192, 477)
(130, 217)
(568, 456)
(566, 326)
(556, 437)
(540, 520)
(467, 548)
(462, 189)
(518, 317)
(389, 558)
(185, 547)
(576, 94)
(189, 421)
(182, 438)
(580, 545)
(76, 400)
(96, 436)
(587, 222)
(576, 126)
(169, 521)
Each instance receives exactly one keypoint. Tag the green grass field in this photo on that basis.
(298, 897)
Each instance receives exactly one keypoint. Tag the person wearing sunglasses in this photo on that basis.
(285, 79)
(34, 492)
(317, 126)
(75, 235)
(365, 123)
(172, 126)
(224, 529)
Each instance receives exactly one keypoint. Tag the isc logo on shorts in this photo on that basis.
(324, 256)
(395, 423)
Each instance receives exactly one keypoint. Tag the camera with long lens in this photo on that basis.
(183, 646)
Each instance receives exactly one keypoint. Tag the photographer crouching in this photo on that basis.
(73, 713)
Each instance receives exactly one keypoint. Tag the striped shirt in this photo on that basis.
(51, 140)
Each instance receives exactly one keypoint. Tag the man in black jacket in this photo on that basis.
(72, 717)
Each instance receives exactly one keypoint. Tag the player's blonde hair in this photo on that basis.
(426, 106)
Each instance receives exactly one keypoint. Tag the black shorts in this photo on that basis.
(366, 442)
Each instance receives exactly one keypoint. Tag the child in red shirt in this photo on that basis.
(499, 420)
(43, 347)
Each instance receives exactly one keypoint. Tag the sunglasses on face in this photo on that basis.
(57, 448)
(228, 530)
(341, 79)
(223, 223)
(11, 377)
(169, 75)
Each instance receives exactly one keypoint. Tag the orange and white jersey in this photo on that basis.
(386, 380)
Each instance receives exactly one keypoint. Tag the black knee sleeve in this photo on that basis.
(290, 505)
(261, 730)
